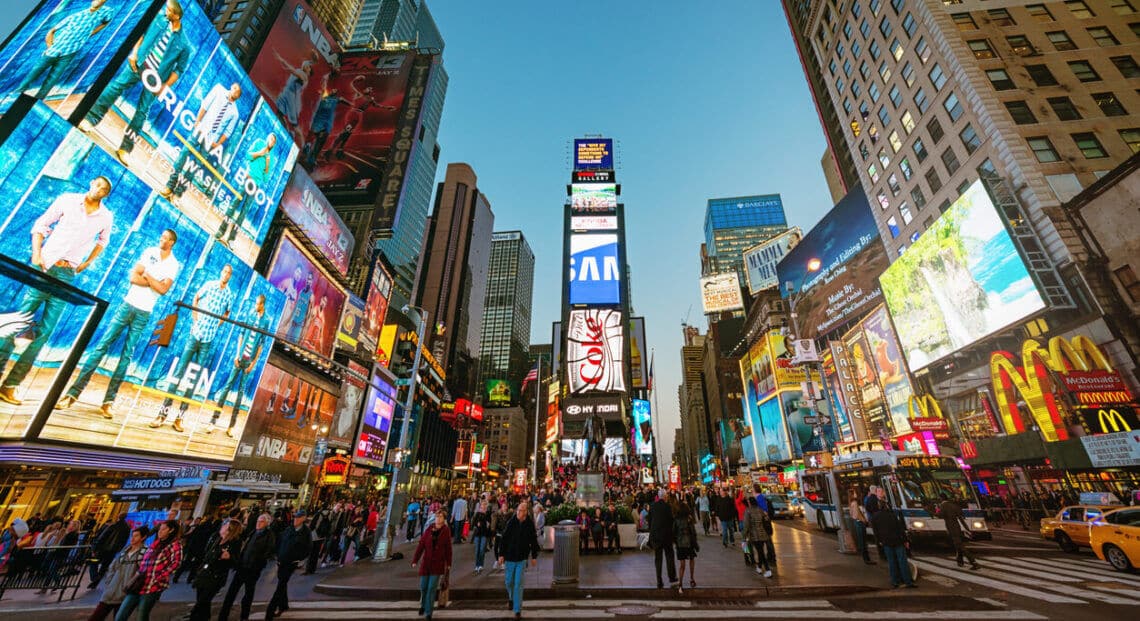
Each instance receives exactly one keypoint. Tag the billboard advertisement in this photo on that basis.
(181, 113)
(863, 384)
(595, 346)
(595, 273)
(296, 63)
(851, 256)
(960, 282)
(593, 197)
(313, 302)
(593, 223)
(81, 217)
(594, 153)
(638, 363)
(375, 423)
(642, 427)
(352, 391)
(306, 206)
(760, 261)
(499, 393)
(890, 368)
(280, 436)
(375, 305)
(721, 292)
(351, 318)
(63, 46)
(386, 345)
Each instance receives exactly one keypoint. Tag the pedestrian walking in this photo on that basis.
(433, 555)
(958, 530)
(754, 535)
(292, 550)
(685, 528)
(481, 533)
(156, 568)
(859, 522)
(661, 539)
(458, 518)
(890, 530)
(520, 540)
(413, 515)
(703, 510)
(254, 556)
(123, 567)
(222, 552)
(726, 515)
(108, 544)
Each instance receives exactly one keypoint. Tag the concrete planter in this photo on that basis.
(627, 532)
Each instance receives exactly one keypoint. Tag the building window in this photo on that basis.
(981, 49)
(921, 101)
(893, 226)
(1041, 75)
(1084, 71)
(904, 167)
(1131, 137)
(920, 152)
(847, 105)
(864, 70)
(873, 91)
(986, 169)
(1001, 17)
(1039, 12)
(894, 141)
(897, 5)
(937, 77)
(907, 122)
(885, 28)
(896, 49)
(1043, 149)
(1021, 46)
(856, 10)
(839, 84)
(893, 184)
(1109, 104)
(970, 139)
(884, 116)
(1089, 145)
(922, 49)
(1020, 112)
(865, 29)
(856, 49)
(962, 187)
(918, 197)
(847, 31)
(895, 96)
(847, 68)
(953, 107)
(904, 211)
(907, 74)
(1000, 79)
(950, 161)
(1061, 41)
(831, 67)
(863, 151)
(885, 71)
(1122, 7)
(884, 202)
(1103, 36)
(964, 21)
(1125, 64)
(1064, 109)
(909, 25)
(934, 128)
(1128, 280)
(873, 49)
(884, 159)
(1079, 9)
(875, 7)
(933, 181)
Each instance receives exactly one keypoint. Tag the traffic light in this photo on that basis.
(164, 331)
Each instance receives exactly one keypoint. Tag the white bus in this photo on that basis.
(914, 483)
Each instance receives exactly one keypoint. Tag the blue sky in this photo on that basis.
(704, 99)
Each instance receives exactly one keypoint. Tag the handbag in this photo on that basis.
(135, 584)
(445, 590)
(967, 534)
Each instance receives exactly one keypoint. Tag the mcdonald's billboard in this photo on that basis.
(1101, 420)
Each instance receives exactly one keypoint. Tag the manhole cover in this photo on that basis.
(634, 611)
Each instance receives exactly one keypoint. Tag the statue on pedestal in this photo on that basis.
(594, 433)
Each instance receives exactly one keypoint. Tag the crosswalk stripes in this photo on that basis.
(1036, 579)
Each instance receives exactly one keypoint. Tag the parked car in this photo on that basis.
(1070, 527)
(781, 507)
(1115, 537)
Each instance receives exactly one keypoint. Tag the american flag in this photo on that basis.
(530, 377)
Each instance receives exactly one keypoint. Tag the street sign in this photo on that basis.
(403, 382)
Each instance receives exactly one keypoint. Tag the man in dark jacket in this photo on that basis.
(254, 555)
(519, 541)
(293, 549)
(322, 526)
(661, 539)
(726, 512)
(107, 545)
(890, 530)
(955, 519)
(194, 547)
(610, 519)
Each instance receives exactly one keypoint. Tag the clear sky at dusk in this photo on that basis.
(704, 99)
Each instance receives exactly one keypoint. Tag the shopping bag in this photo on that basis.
(444, 597)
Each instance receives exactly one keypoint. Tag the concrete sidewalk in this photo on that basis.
(808, 565)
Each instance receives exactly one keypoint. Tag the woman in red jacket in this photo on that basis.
(158, 565)
(434, 550)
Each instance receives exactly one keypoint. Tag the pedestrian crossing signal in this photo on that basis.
(164, 331)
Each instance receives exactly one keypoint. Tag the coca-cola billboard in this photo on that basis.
(595, 347)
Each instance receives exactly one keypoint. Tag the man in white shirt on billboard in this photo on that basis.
(217, 120)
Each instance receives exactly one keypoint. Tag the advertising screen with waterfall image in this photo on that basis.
(961, 281)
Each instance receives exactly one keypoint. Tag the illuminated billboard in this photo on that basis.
(181, 113)
(593, 223)
(721, 292)
(352, 392)
(593, 197)
(375, 423)
(595, 273)
(375, 305)
(127, 245)
(351, 319)
(595, 346)
(638, 363)
(313, 301)
(960, 282)
(499, 392)
(760, 261)
(851, 257)
(594, 153)
(642, 427)
(63, 46)
(891, 368)
(306, 206)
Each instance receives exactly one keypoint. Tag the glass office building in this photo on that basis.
(733, 225)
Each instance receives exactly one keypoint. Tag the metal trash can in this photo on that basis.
(565, 553)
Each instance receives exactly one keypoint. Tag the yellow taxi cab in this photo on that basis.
(1115, 537)
(1070, 527)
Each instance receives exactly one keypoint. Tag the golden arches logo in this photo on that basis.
(1112, 418)
(924, 406)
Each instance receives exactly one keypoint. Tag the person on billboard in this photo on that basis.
(66, 240)
(248, 353)
(63, 42)
(217, 297)
(361, 102)
(302, 306)
(150, 278)
(164, 52)
(288, 101)
(315, 328)
(216, 121)
(321, 125)
(258, 167)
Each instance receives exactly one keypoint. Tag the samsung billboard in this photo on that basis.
(595, 271)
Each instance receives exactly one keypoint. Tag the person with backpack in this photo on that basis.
(156, 568)
(755, 535)
(685, 528)
(123, 567)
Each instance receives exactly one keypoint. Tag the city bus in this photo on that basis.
(914, 483)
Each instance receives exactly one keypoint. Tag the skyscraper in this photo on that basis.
(732, 225)
(506, 314)
(453, 280)
(243, 25)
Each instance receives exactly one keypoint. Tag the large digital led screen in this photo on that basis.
(595, 346)
(352, 391)
(863, 383)
(593, 153)
(375, 305)
(760, 261)
(181, 113)
(306, 206)
(375, 424)
(499, 392)
(851, 257)
(63, 46)
(101, 229)
(595, 272)
(638, 363)
(280, 436)
(961, 281)
(890, 367)
(593, 197)
(294, 67)
(313, 301)
(642, 427)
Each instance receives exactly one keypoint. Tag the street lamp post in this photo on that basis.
(322, 435)
(383, 543)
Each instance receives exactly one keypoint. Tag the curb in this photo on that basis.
(605, 593)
